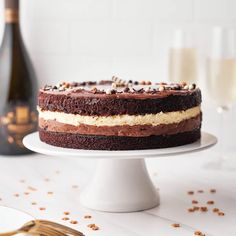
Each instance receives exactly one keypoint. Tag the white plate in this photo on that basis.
(33, 142)
(11, 219)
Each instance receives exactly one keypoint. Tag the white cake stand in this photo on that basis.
(121, 182)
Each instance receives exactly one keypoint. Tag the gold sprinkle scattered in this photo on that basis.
(216, 210)
(190, 192)
(200, 191)
(221, 213)
(210, 202)
(212, 190)
(26, 193)
(42, 208)
(203, 209)
(50, 193)
(66, 213)
(175, 225)
(87, 217)
(74, 222)
(190, 210)
(34, 203)
(65, 218)
(32, 188)
(93, 227)
(16, 195)
(194, 202)
(199, 233)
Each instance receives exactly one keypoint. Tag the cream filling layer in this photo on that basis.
(148, 119)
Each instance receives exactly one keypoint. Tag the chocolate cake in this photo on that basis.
(119, 115)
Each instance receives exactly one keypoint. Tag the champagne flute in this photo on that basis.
(221, 75)
(182, 58)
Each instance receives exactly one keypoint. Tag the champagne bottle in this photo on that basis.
(18, 86)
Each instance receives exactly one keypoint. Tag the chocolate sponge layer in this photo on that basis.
(93, 142)
(107, 105)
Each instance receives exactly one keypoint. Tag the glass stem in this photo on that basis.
(221, 135)
(221, 111)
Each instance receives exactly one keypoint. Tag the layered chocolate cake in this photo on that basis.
(119, 115)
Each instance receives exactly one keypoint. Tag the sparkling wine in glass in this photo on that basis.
(221, 67)
(182, 59)
(221, 75)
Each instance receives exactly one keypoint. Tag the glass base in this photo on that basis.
(226, 162)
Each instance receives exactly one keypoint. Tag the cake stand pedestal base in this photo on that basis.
(120, 186)
(121, 182)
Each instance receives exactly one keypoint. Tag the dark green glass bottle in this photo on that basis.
(18, 86)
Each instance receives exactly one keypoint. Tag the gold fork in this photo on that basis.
(46, 231)
(63, 228)
(23, 229)
(35, 229)
(43, 227)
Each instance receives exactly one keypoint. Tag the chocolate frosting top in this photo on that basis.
(117, 88)
(117, 97)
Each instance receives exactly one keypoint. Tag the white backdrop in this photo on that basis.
(92, 39)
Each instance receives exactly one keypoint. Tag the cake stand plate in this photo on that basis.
(121, 182)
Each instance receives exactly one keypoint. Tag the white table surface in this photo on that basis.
(173, 175)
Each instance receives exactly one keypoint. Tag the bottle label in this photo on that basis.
(17, 123)
(11, 15)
